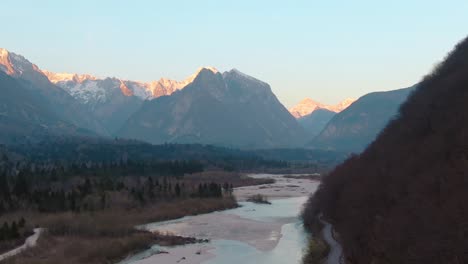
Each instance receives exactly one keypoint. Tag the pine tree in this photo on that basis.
(14, 233)
(177, 189)
(5, 231)
(21, 222)
(4, 189)
(21, 187)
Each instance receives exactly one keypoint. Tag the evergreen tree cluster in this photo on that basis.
(10, 231)
(79, 193)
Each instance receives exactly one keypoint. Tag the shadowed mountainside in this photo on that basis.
(403, 200)
(353, 129)
(230, 109)
(316, 121)
(25, 114)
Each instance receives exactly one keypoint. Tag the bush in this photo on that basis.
(259, 199)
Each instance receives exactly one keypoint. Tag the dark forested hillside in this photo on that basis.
(80, 150)
(403, 200)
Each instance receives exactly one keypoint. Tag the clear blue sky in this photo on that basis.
(327, 50)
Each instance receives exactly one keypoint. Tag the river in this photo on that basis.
(252, 233)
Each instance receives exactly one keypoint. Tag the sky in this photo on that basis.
(326, 50)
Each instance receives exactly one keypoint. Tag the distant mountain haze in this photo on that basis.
(358, 125)
(316, 121)
(308, 105)
(313, 116)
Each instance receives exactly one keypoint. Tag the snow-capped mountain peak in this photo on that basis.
(308, 105)
(342, 105)
(90, 89)
(14, 64)
(65, 77)
(5, 63)
(305, 107)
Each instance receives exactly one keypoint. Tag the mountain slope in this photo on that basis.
(25, 115)
(403, 200)
(355, 127)
(316, 121)
(58, 101)
(229, 109)
(110, 100)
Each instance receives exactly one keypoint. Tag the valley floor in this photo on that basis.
(107, 236)
(255, 229)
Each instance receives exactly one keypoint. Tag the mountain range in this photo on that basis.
(230, 109)
(209, 107)
(56, 100)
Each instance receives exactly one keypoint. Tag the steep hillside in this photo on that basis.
(26, 116)
(315, 122)
(110, 100)
(355, 127)
(403, 200)
(56, 99)
(230, 109)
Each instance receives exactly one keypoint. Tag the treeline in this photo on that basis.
(83, 150)
(11, 231)
(403, 200)
(62, 169)
(98, 192)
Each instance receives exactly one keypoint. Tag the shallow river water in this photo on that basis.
(252, 233)
(290, 246)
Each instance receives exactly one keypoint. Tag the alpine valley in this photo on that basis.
(229, 109)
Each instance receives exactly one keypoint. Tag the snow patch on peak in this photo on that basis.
(3, 52)
(14, 64)
(307, 105)
(125, 90)
(5, 63)
(65, 77)
(342, 105)
(166, 86)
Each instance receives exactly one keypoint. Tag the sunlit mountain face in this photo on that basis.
(308, 105)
